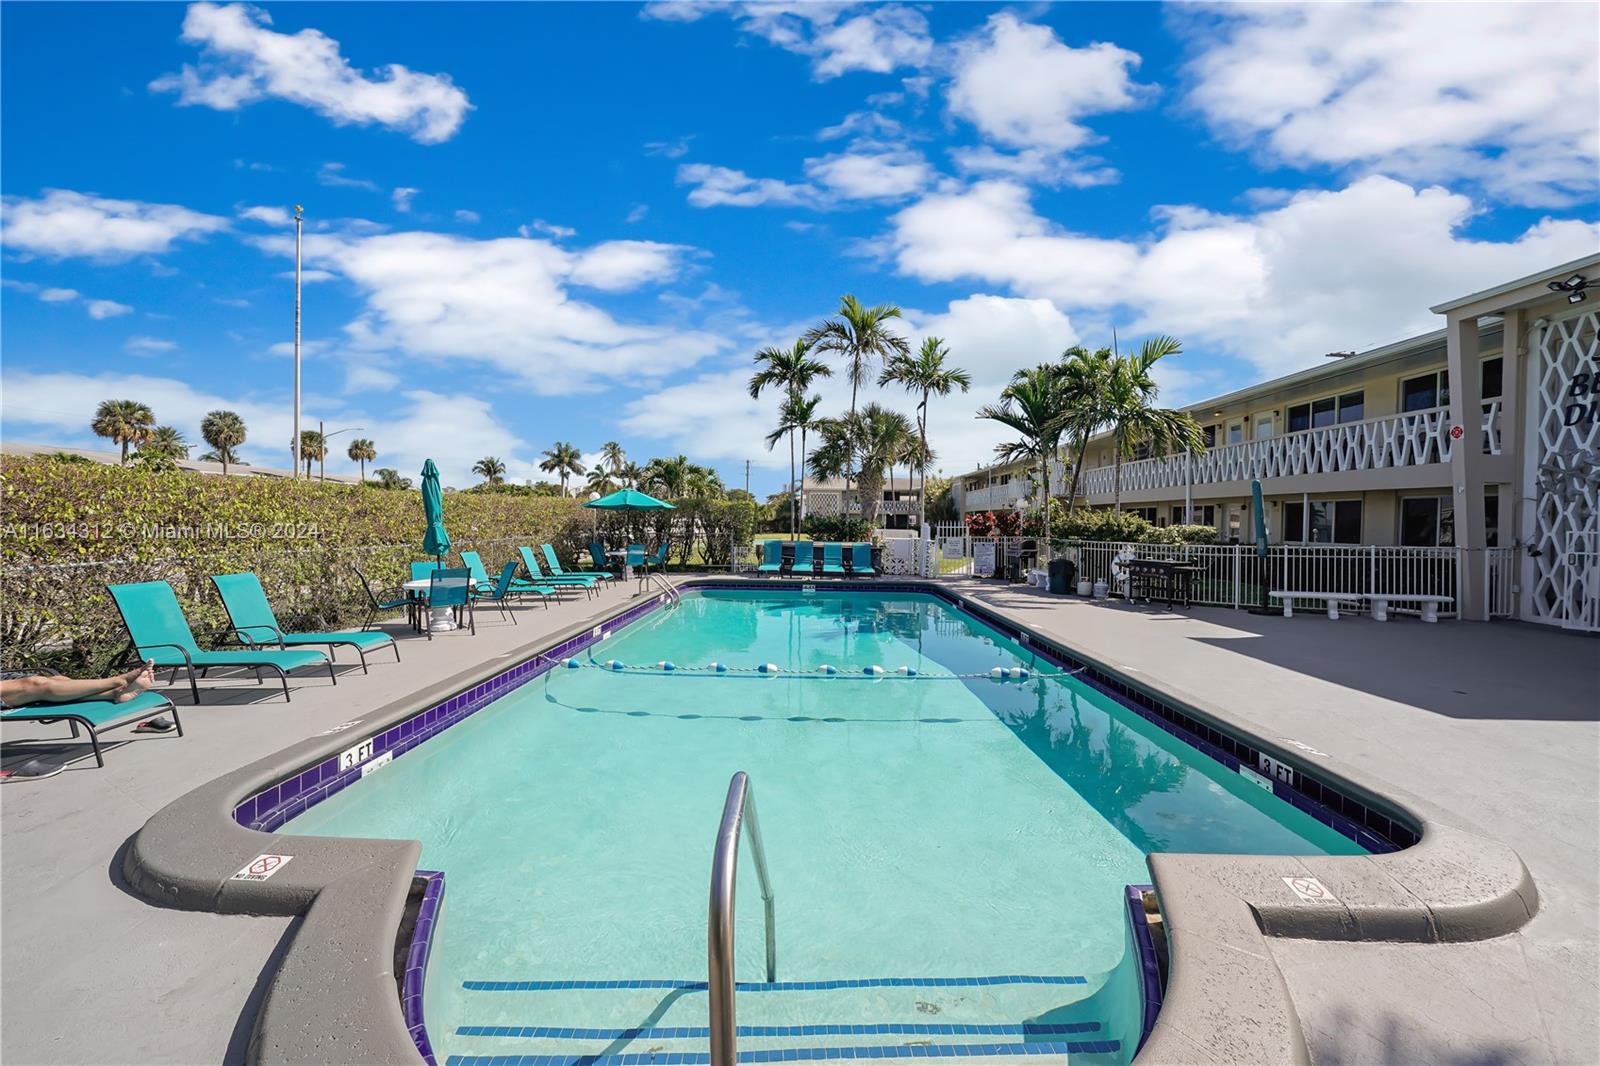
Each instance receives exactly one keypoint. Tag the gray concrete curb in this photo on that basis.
(334, 999)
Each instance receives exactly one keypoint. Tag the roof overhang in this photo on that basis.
(1523, 292)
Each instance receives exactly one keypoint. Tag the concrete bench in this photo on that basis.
(1430, 605)
(1334, 600)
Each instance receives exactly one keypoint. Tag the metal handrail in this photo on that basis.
(740, 809)
(653, 580)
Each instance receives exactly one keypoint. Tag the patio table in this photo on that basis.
(441, 620)
(622, 553)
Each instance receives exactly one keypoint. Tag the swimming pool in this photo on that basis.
(949, 853)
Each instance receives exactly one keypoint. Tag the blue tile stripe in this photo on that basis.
(803, 1054)
(1150, 990)
(416, 963)
(774, 986)
(691, 1032)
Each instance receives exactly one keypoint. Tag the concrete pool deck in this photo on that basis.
(176, 986)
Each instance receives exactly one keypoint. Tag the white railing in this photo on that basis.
(1500, 580)
(1412, 439)
(1233, 575)
(994, 497)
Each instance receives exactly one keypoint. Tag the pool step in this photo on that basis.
(1103, 1051)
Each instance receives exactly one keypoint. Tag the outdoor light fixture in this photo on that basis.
(1574, 288)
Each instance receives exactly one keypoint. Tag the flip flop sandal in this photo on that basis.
(154, 725)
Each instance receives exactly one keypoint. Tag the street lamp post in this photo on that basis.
(298, 222)
(325, 436)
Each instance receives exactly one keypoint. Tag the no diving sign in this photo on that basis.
(1310, 890)
(262, 867)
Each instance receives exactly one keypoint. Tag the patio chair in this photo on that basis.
(506, 587)
(659, 559)
(771, 558)
(422, 571)
(602, 564)
(255, 623)
(635, 556)
(451, 587)
(530, 563)
(158, 632)
(803, 558)
(481, 581)
(833, 559)
(861, 560)
(553, 564)
(96, 716)
(391, 600)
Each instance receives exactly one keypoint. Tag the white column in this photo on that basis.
(1466, 464)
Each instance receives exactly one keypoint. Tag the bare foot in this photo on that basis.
(138, 680)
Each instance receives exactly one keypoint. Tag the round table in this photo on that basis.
(440, 620)
(622, 554)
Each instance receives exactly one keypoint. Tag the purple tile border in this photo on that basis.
(412, 981)
(1149, 969)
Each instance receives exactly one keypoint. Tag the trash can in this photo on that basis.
(1062, 574)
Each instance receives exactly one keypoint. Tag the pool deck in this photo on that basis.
(1495, 723)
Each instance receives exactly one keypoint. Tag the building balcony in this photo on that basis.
(997, 497)
(1416, 438)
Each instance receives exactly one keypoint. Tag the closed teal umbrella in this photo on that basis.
(436, 542)
(630, 500)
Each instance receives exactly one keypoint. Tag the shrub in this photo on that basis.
(69, 530)
(1183, 534)
(980, 524)
(837, 527)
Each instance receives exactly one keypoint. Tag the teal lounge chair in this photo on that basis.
(481, 581)
(254, 622)
(861, 560)
(530, 563)
(833, 559)
(96, 716)
(771, 558)
(553, 564)
(804, 557)
(158, 631)
(451, 587)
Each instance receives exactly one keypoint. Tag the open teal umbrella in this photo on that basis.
(436, 542)
(630, 500)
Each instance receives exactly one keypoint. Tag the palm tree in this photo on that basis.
(926, 373)
(793, 370)
(124, 421)
(861, 336)
(564, 461)
(224, 431)
(678, 477)
(612, 455)
(362, 451)
(1085, 377)
(166, 441)
(630, 475)
(389, 478)
(1130, 409)
(1035, 406)
(600, 481)
(873, 439)
(489, 468)
(803, 414)
(313, 447)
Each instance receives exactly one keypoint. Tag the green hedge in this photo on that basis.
(70, 529)
(1107, 525)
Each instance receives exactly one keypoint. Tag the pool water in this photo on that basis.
(931, 830)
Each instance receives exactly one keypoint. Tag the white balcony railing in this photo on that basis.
(1412, 439)
(994, 497)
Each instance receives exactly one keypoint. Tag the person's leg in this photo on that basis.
(19, 691)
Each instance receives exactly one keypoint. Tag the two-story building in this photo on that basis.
(897, 509)
(1478, 435)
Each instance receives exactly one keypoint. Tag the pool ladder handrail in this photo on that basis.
(668, 589)
(739, 810)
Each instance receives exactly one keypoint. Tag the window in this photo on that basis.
(1491, 517)
(1425, 391)
(1492, 374)
(1201, 516)
(1210, 435)
(1264, 426)
(1351, 407)
(1427, 522)
(1146, 513)
(1236, 433)
(1004, 479)
(1331, 522)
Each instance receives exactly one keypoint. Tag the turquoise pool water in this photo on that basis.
(919, 828)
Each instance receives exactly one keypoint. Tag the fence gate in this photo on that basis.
(1583, 581)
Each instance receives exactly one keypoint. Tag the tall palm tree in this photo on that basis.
(225, 432)
(124, 421)
(803, 414)
(612, 456)
(872, 439)
(564, 461)
(926, 373)
(491, 469)
(313, 447)
(601, 481)
(1034, 406)
(1130, 409)
(1085, 377)
(861, 336)
(362, 451)
(166, 441)
(793, 370)
(388, 477)
(629, 475)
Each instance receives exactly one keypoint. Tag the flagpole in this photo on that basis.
(298, 221)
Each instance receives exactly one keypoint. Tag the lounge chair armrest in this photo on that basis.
(139, 649)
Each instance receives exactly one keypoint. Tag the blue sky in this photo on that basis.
(541, 222)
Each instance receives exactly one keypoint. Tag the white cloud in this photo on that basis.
(333, 175)
(871, 175)
(243, 61)
(308, 277)
(148, 345)
(1504, 96)
(272, 216)
(674, 149)
(838, 37)
(637, 213)
(467, 217)
(1325, 271)
(365, 377)
(99, 309)
(506, 303)
(403, 196)
(1034, 165)
(1019, 85)
(56, 296)
(723, 186)
(870, 127)
(549, 229)
(63, 223)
